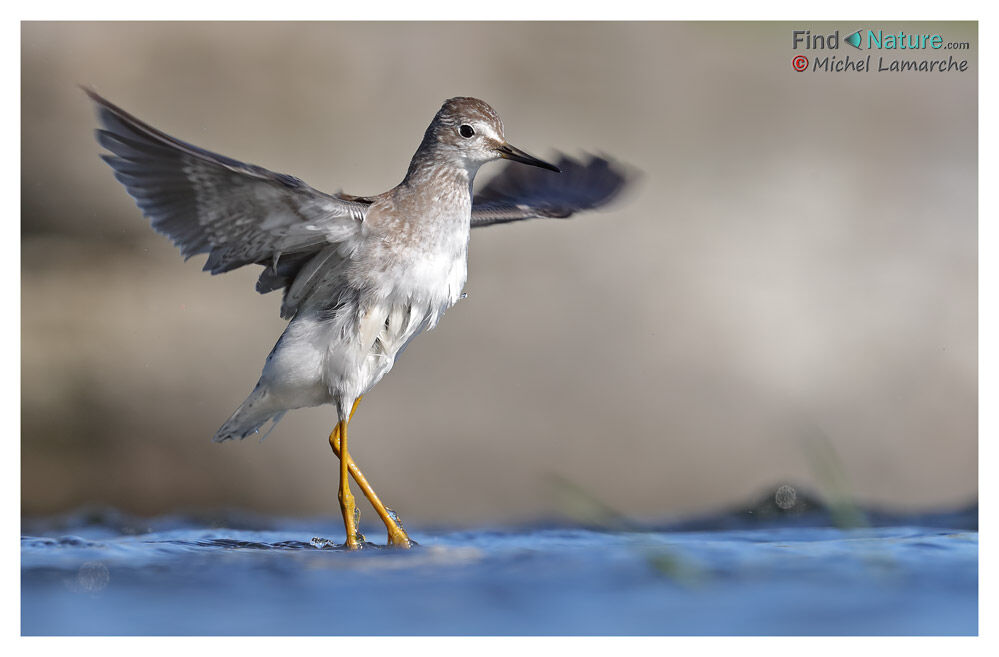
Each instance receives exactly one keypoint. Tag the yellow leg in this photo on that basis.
(347, 506)
(397, 536)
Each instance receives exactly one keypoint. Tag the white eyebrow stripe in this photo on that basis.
(487, 129)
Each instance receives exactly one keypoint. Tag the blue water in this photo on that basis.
(112, 575)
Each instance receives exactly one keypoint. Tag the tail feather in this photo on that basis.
(252, 414)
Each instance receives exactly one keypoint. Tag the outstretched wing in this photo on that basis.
(208, 203)
(520, 192)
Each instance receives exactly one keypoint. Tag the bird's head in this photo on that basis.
(469, 131)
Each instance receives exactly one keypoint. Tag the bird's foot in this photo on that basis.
(397, 536)
(399, 539)
(351, 519)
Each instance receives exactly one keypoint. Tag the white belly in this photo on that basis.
(322, 359)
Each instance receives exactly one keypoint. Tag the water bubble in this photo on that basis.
(394, 516)
(92, 577)
(786, 497)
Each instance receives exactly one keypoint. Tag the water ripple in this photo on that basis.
(272, 576)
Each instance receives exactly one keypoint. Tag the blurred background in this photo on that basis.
(789, 288)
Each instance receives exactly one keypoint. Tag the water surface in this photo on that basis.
(109, 574)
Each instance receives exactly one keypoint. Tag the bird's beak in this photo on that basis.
(508, 152)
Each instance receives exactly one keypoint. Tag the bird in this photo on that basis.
(361, 276)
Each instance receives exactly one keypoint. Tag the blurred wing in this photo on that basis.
(522, 192)
(208, 203)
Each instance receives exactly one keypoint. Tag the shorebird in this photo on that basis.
(362, 275)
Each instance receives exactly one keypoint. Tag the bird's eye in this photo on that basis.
(466, 131)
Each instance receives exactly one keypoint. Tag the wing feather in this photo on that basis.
(237, 213)
(519, 192)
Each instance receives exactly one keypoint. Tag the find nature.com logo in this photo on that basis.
(920, 52)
